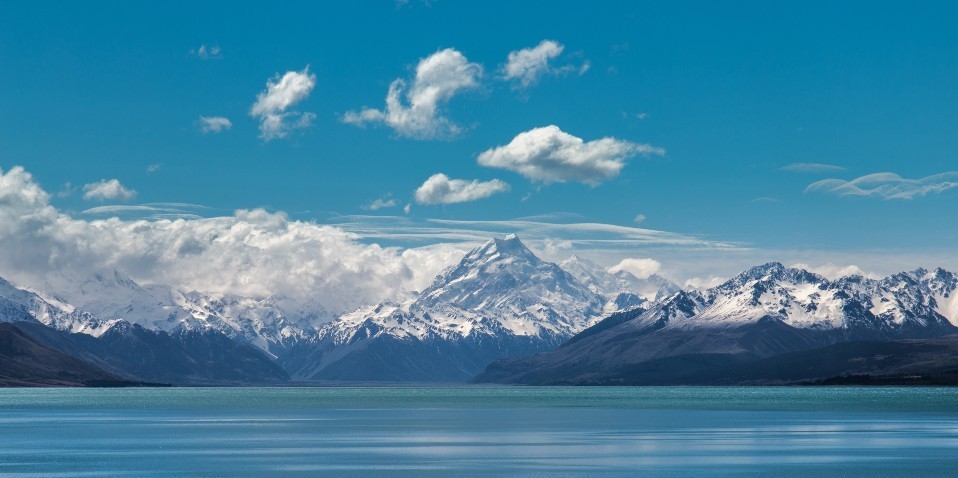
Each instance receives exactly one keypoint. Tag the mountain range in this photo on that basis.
(499, 315)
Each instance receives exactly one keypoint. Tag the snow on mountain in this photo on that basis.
(106, 298)
(498, 288)
(622, 290)
(805, 300)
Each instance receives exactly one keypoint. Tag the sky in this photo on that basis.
(706, 137)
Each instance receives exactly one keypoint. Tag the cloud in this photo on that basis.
(550, 155)
(107, 190)
(415, 111)
(439, 189)
(641, 268)
(639, 219)
(204, 52)
(272, 107)
(705, 283)
(265, 253)
(380, 204)
(811, 168)
(153, 168)
(214, 124)
(833, 271)
(887, 185)
(527, 65)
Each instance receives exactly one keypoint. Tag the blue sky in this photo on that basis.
(732, 94)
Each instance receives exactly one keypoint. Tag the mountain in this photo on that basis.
(271, 324)
(499, 301)
(764, 312)
(24, 362)
(622, 290)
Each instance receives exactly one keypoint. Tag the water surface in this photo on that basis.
(479, 431)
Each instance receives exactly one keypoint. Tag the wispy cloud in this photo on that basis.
(416, 110)
(214, 124)
(526, 66)
(381, 203)
(887, 185)
(208, 52)
(272, 106)
(107, 190)
(811, 168)
(549, 155)
(439, 189)
(153, 168)
(639, 218)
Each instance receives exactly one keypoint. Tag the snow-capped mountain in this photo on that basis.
(93, 304)
(801, 299)
(498, 293)
(766, 311)
(622, 289)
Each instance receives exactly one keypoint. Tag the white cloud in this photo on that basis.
(407, 208)
(211, 52)
(811, 168)
(214, 124)
(264, 253)
(107, 190)
(439, 189)
(639, 219)
(549, 155)
(272, 107)
(380, 204)
(887, 185)
(833, 271)
(705, 283)
(153, 168)
(527, 65)
(416, 111)
(641, 268)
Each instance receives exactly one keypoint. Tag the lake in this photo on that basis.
(479, 431)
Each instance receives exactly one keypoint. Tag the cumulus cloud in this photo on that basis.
(272, 106)
(887, 185)
(211, 52)
(811, 168)
(641, 268)
(416, 110)
(527, 65)
(107, 190)
(214, 124)
(265, 253)
(380, 204)
(439, 189)
(549, 155)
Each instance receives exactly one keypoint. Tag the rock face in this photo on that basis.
(764, 312)
(499, 301)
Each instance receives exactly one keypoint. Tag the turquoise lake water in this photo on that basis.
(479, 431)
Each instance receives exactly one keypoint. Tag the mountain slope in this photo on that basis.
(499, 301)
(764, 312)
(24, 362)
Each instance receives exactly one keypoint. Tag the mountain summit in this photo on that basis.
(500, 300)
